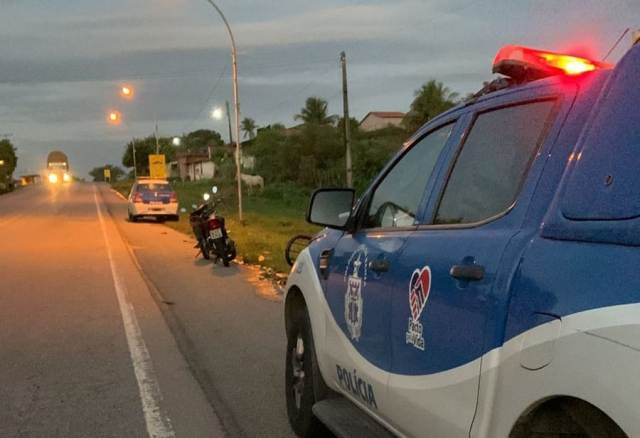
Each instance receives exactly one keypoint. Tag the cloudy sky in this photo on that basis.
(61, 61)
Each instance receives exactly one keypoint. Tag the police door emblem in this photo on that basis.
(356, 279)
(419, 289)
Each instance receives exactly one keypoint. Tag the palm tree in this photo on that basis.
(315, 112)
(431, 99)
(249, 128)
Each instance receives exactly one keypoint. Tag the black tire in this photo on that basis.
(132, 218)
(566, 416)
(203, 249)
(231, 253)
(304, 389)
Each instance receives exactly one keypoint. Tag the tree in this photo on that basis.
(249, 128)
(354, 126)
(430, 100)
(10, 160)
(201, 139)
(315, 112)
(144, 148)
(97, 173)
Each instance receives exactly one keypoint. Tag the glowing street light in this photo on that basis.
(127, 91)
(217, 113)
(114, 117)
(176, 141)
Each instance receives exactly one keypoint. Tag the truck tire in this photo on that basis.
(303, 382)
(566, 416)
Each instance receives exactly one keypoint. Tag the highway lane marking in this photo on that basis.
(120, 195)
(158, 425)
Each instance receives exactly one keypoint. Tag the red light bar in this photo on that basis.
(523, 63)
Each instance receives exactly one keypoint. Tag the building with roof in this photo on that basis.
(381, 119)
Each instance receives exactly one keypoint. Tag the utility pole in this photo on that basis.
(347, 121)
(229, 120)
(133, 151)
(157, 143)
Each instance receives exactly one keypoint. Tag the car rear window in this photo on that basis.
(155, 187)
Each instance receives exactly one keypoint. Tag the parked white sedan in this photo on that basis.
(153, 198)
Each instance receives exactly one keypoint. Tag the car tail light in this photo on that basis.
(137, 197)
(173, 198)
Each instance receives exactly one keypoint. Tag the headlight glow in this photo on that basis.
(53, 178)
(66, 177)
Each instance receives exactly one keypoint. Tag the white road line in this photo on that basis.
(120, 195)
(158, 425)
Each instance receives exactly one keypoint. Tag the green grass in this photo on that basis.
(271, 218)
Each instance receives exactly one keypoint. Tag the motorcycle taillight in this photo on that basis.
(214, 223)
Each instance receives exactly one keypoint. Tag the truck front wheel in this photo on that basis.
(303, 382)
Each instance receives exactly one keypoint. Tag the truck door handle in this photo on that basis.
(379, 265)
(467, 272)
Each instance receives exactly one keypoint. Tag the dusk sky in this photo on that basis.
(61, 61)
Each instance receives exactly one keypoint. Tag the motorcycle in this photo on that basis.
(210, 231)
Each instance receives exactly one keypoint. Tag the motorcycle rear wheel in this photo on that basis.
(231, 253)
(203, 249)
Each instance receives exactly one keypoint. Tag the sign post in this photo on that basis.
(157, 166)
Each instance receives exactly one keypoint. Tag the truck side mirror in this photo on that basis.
(331, 207)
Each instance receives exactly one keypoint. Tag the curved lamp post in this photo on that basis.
(236, 101)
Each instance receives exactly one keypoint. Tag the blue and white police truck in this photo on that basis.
(487, 284)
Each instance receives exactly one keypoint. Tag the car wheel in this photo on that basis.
(132, 218)
(303, 382)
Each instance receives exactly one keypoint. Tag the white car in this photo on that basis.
(153, 198)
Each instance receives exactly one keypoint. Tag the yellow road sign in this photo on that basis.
(157, 166)
(107, 174)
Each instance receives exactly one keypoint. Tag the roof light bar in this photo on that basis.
(524, 64)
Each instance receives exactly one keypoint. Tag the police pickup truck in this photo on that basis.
(487, 284)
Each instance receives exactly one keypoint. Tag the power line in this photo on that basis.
(206, 101)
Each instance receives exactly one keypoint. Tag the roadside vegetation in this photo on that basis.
(293, 162)
(8, 161)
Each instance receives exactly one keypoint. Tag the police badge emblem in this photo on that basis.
(356, 279)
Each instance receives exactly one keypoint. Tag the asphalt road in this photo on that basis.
(110, 328)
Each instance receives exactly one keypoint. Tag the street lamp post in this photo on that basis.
(236, 100)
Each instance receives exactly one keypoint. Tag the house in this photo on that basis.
(191, 166)
(381, 119)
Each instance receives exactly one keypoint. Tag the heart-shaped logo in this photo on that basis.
(419, 289)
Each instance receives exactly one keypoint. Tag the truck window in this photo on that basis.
(493, 163)
(396, 200)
